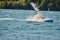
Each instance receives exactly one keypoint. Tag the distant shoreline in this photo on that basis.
(23, 9)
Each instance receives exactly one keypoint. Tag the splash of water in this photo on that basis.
(36, 17)
(1, 19)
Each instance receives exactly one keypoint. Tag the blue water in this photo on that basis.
(25, 30)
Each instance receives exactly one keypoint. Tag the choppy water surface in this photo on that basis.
(27, 30)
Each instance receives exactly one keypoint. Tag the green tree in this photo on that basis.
(50, 5)
(57, 4)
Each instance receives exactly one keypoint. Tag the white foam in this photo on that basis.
(12, 19)
(8, 19)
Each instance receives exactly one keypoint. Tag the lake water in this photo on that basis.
(27, 30)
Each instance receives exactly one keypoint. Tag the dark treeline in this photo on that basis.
(53, 5)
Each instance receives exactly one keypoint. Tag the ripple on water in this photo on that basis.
(28, 30)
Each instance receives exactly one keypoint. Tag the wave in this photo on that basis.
(11, 19)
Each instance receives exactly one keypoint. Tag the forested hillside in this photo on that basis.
(53, 5)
